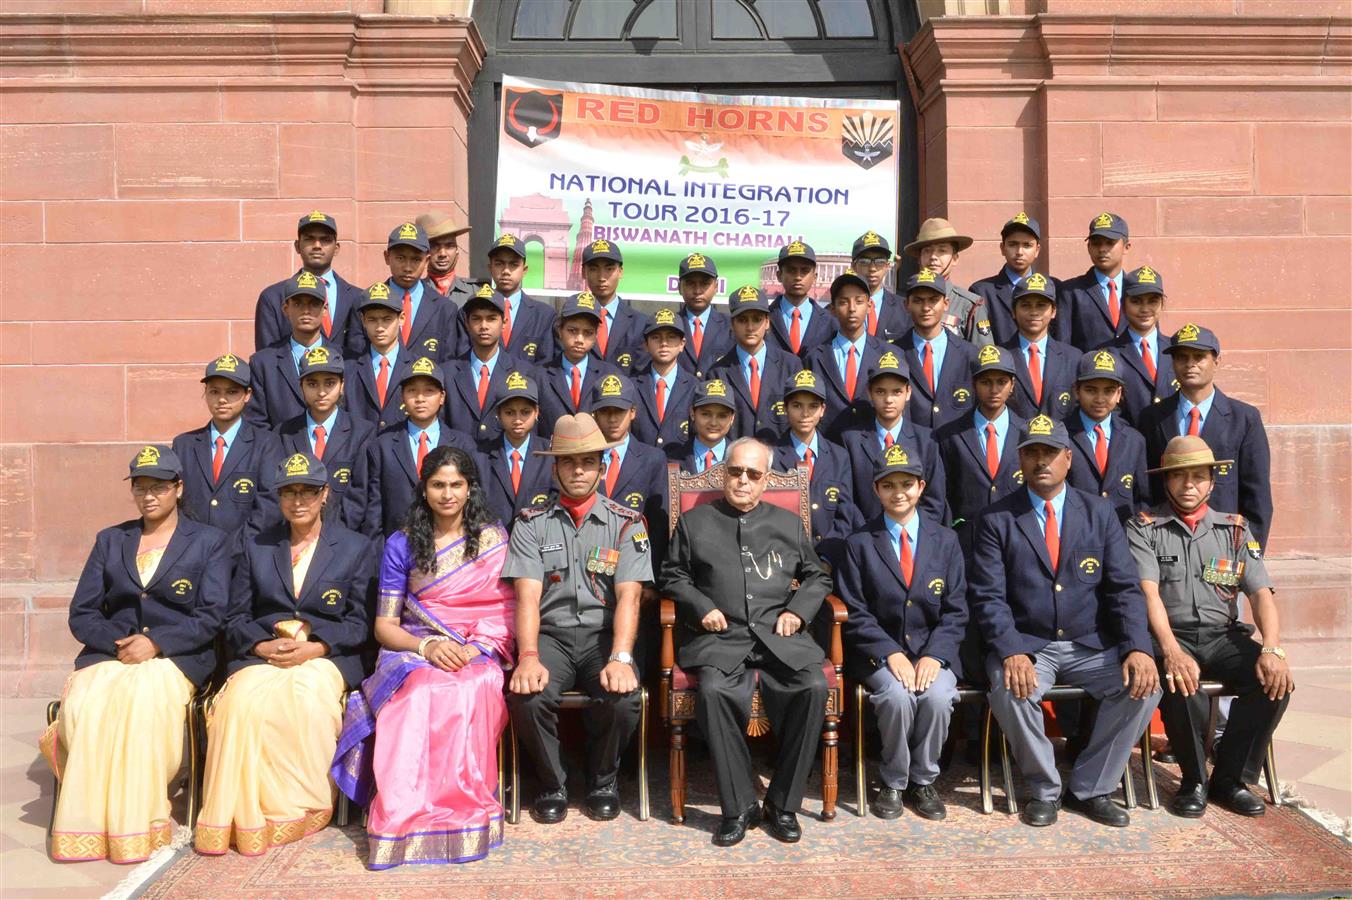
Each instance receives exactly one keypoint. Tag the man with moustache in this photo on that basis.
(443, 242)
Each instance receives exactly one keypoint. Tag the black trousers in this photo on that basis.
(795, 703)
(575, 658)
(1227, 655)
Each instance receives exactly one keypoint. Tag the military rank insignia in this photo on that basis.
(603, 560)
(1254, 550)
(641, 543)
(1223, 572)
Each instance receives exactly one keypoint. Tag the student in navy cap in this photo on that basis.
(527, 324)
(1148, 375)
(941, 368)
(708, 330)
(567, 382)
(478, 374)
(664, 388)
(903, 583)
(328, 432)
(147, 609)
(845, 362)
(371, 379)
(223, 460)
(1092, 302)
(1231, 428)
(1055, 592)
(1109, 457)
(1020, 245)
(889, 392)
(514, 478)
(796, 324)
(937, 246)
(276, 369)
(619, 332)
(755, 370)
(1046, 366)
(831, 489)
(712, 414)
(871, 257)
(316, 244)
(633, 474)
(431, 324)
(394, 459)
(443, 255)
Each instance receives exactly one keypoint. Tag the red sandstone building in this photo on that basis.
(155, 154)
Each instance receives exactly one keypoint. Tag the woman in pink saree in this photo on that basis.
(419, 740)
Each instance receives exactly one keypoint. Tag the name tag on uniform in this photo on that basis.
(1166, 558)
(551, 547)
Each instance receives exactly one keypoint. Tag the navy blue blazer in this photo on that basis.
(928, 617)
(461, 410)
(820, 330)
(181, 609)
(495, 474)
(718, 340)
(1093, 598)
(952, 395)
(675, 425)
(556, 398)
(241, 499)
(999, 296)
(390, 475)
(625, 349)
(893, 320)
(766, 420)
(1233, 430)
(834, 515)
(344, 455)
(844, 412)
(642, 487)
(970, 486)
(861, 445)
(684, 454)
(436, 329)
(271, 326)
(1081, 301)
(532, 332)
(276, 386)
(1139, 391)
(1058, 381)
(337, 599)
(1124, 484)
(360, 397)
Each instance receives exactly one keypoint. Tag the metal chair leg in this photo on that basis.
(515, 815)
(1010, 802)
(1128, 787)
(1270, 773)
(643, 756)
(987, 800)
(860, 778)
(194, 763)
(502, 772)
(1152, 797)
(53, 710)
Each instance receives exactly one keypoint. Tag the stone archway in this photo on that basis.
(544, 219)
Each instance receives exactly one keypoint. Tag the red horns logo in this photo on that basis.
(532, 117)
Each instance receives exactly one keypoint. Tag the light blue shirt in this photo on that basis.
(1013, 277)
(1058, 504)
(1152, 340)
(1106, 425)
(229, 434)
(298, 350)
(1185, 407)
(311, 424)
(619, 451)
(433, 435)
(912, 528)
(745, 359)
(699, 450)
(876, 298)
(415, 295)
(840, 346)
(669, 378)
(1001, 423)
(492, 362)
(514, 305)
(609, 309)
(392, 357)
(507, 449)
(1103, 285)
(581, 367)
(805, 308)
(881, 433)
(331, 294)
(938, 346)
(703, 318)
(801, 449)
(1024, 344)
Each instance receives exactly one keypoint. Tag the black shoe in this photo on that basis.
(732, 829)
(925, 800)
(1190, 801)
(783, 825)
(887, 805)
(1166, 755)
(603, 803)
(1236, 797)
(1101, 809)
(551, 807)
(1039, 812)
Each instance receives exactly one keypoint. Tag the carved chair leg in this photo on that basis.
(677, 766)
(830, 766)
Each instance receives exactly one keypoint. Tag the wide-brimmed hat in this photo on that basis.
(576, 434)
(1187, 451)
(932, 231)
(437, 224)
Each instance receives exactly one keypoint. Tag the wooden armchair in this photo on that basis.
(678, 688)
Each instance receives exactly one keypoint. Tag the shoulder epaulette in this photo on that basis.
(1234, 519)
(530, 512)
(623, 512)
(1145, 517)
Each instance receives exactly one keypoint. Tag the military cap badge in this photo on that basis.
(1189, 332)
(378, 291)
(925, 276)
(987, 355)
(716, 388)
(317, 356)
(516, 382)
(1021, 218)
(586, 300)
(1146, 275)
(507, 240)
(307, 280)
(1104, 362)
(747, 292)
(423, 366)
(149, 456)
(695, 261)
(664, 317)
(1040, 425)
(408, 231)
(297, 464)
(889, 361)
(805, 379)
(484, 292)
(611, 386)
(600, 246)
(227, 363)
(896, 456)
(1036, 282)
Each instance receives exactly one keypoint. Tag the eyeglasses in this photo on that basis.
(303, 493)
(155, 490)
(870, 262)
(736, 472)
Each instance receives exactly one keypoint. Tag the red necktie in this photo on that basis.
(1053, 535)
(1101, 449)
(328, 320)
(603, 334)
(383, 380)
(1035, 373)
(422, 450)
(218, 459)
(907, 563)
(576, 388)
(888, 440)
(507, 323)
(796, 330)
(516, 472)
(483, 385)
(755, 382)
(697, 338)
(406, 330)
(992, 452)
(1114, 308)
(1148, 359)
(320, 442)
(612, 474)
(807, 458)
(851, 374)
(1194, 421)
(872, 318)
(928, 365)
(661, 399)
(708, 460)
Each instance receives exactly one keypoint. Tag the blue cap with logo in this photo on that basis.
(301, 468)
(713, 393)
(1142, 281)
(1099, 364)
(890, 363)
(319, 360)
(305, 284)
(797, 250)
(1035, 285)
(1194, 337)
(602, 249)
(805, 381)
(870, 242)
(1022, 222)
(408, 234)
(229, 366)
(317, 218)
(379, 294)
(925, 279)
(1043, 429)
(422, 367)
(849, 276)
(697, 264)
(518, 385)
(155, 461)
(613, 392)
(747, 298)
(510, 242)
(486, 296)
(665, 318)
(991, 358)
(581, 304)
(897, 459)
(1109, 225)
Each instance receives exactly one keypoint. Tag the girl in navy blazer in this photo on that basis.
(147, 608)
(299, 616)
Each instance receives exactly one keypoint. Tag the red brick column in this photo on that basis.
(1226, 142)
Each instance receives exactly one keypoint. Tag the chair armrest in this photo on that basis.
(838, 615)
(666, 611)
(838, 612)
(666, 615)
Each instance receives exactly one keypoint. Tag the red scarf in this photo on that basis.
(578, 509)
(1193, 518)
(444, 282)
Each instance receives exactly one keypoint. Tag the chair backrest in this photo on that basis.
(788, 490)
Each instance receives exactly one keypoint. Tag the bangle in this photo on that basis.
(430, 639)
(524, 653)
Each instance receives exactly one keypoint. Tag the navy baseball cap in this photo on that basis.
(486, 296)
(320, 360)
(518, 385)
(602, 249)
(1194, 337)
(613, 392)
(890, 364)
(868, 242)
(897, 459)
(697, 264)
(747, 298)
(379, 294)
(1043, 429)
(1099, 364)
(797, 250)
(301, 468)
(849, 276)
(1036, 284)
(1022, 222)
(991, 358)
(713, 393)
(155, 461)
(408, 235)
(424, 368)
(582, 304)
(307, 284)
(664, 318)
(229, 366)
(805, 382)
(317, 218)
(927, 279)
(1109, 225)
(508, 241)
(1144, 280)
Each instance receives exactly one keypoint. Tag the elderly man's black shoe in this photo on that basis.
(925, 801)
(603, 803)
(731, 829)
(551, 807)
(1236, 797)
(887, 805)
(1190, 801)
(783, 825)
(1039, 812)
(1101, 809)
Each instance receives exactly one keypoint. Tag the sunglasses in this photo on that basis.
(736, 472)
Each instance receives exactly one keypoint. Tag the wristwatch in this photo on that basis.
(1275, 651)
(622, 657)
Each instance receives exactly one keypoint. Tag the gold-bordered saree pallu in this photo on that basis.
(419, 744)
(115, 746)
